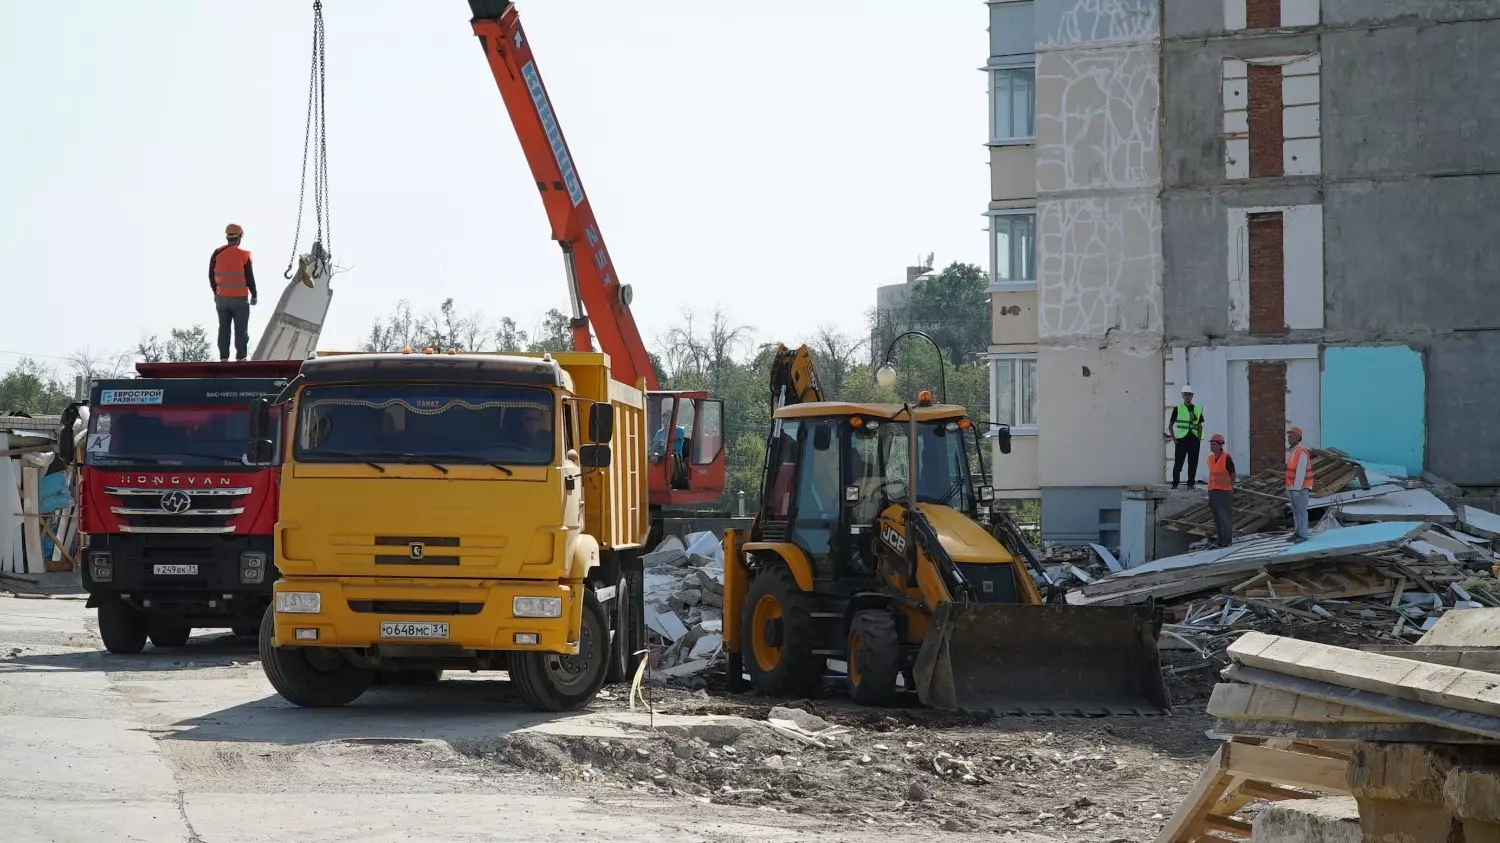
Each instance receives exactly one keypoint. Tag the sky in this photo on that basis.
(778, 162)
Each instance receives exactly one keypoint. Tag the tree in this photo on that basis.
(510, 338)
(184, 345)
(554, 333)
(448, 328)
(32, 388)
(90, 365)
(955, 309)
(834, 353)
(399, 330)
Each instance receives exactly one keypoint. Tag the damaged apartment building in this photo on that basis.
(1284, 203)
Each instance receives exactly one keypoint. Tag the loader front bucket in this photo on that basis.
(1052, 659)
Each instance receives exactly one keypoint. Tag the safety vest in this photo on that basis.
(229, 272)
(1187, 421)
(1218, 473)
(1299, 452)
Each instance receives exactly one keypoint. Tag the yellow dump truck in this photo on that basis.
(456, 512)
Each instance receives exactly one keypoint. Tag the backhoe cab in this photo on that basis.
(868, 548)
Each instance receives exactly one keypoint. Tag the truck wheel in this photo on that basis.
(555, 682)
(874, 657)
(122, 627)
(246, 631)
(621, 621)
(170, 635)
(312, 677)
(779, 635)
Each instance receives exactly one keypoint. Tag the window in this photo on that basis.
(1012, 28)
(1013, 105)
(1013, 397)
(1013, 254)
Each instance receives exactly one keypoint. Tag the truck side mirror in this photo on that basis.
(594, 456)
(66, 442)
(601, 424)
(1003, 437)
(259, 447)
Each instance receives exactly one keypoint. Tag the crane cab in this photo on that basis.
(686, 451)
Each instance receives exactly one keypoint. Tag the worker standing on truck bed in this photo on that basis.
(1221, 489)
(233, 282)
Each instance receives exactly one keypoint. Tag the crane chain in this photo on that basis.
(316, 99)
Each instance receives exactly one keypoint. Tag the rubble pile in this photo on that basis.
(684, 605)
(1386, 560)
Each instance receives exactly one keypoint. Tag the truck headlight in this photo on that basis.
(101, 566)
(299, 602)
(536, 607)
(252, 567)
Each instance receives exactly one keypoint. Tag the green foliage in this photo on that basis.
(183, 345)
(32, 388)
(954, 308)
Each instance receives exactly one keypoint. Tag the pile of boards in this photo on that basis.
(684, 594)
(38, 528)
(1260, 500)
(1411, 732)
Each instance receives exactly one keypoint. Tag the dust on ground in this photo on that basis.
(1073, 779)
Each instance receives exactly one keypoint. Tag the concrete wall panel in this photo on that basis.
(1356, 379)
(1381, 118)
(1100, 270)
(1013, 319)
(1195, 292)
(1192, 18)
(1012, 173)
(1365, 12)
(1076, 22)
(1015, 473)
(1412, 255)
(1081, 514)
(1096, 118)
(1192, 126)
(1463, 430)
(1101, 417)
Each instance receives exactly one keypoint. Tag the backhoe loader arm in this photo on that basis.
(599, 300)
(793, 378)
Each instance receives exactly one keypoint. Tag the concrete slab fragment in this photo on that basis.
(1406, 505)
(1332, 819)
(1352, 495)
(1479, 521)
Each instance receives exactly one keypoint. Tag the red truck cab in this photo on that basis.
(178, 525)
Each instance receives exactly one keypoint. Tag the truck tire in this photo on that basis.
(621, 633)
(122, 627)
(311, 677)
(246, 631)
(169, 635)
(874, 657)
(779, 635)
(554, 682)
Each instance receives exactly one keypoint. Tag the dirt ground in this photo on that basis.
(1068, 779)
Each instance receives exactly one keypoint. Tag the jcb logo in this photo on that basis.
(415, 550)
(894, 539)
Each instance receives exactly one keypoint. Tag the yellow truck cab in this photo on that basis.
(457, 511)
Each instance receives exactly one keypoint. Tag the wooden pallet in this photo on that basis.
(1242, 771)
(1260, 499)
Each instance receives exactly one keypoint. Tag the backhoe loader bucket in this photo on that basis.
(1022, 659)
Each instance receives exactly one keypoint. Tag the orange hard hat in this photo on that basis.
(1296, 430)
(233, 230)
(1217, 437)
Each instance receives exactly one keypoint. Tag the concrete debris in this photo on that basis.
(684, 596)
(810, 723)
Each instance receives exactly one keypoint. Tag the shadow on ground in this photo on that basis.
(209, 649)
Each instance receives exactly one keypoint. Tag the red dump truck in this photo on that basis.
(178, 525)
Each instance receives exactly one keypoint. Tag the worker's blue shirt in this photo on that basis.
(660, 439)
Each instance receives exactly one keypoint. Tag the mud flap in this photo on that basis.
(1021, 659)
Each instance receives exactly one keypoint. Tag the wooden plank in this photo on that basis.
(32, 527)
(1403, 732)
(1486, 659)
(1463, 721)
(1280, 766)
(1454, 687)
(1229, 824)
(1275, 793)
(1234, 701)
(1206, 792)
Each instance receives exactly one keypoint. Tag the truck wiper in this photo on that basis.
(414, 459)
(354, 457)
(464, 458)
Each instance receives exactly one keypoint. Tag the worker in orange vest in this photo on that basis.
(1221, 489)
(1299, 481)
(232, 279)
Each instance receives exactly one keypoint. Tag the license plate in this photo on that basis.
(175, 570)
(402, 629)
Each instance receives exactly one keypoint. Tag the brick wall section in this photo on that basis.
(1267, 275)
(1266, 158)
(1267, 415)
(1262, 14)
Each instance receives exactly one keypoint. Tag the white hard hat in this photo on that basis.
(1187, 388)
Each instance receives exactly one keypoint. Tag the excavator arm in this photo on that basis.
(793, 378)
(599, 300)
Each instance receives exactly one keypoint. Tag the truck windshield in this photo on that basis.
(426, 423)
(879, 462)
(166, 435)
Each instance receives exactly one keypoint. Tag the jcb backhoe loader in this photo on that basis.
(867, 548)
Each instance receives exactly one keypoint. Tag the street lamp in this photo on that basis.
(886, 374)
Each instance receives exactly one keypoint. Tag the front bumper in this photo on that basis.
(133, 560)
(478, 613)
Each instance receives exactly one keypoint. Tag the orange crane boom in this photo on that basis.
(596, 290)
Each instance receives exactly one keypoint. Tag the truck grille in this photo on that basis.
(189, 511)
